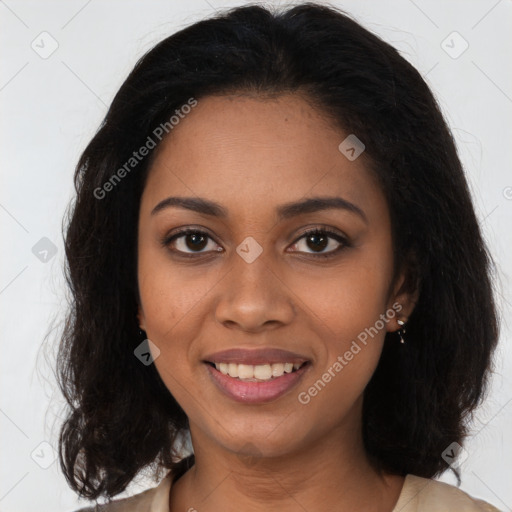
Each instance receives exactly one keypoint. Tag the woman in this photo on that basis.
(273, 250)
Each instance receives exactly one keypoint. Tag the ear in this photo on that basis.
(403, 300)
(141, 318)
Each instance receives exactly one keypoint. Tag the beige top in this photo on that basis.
(418, 495)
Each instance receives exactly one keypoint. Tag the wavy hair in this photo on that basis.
(121, 417)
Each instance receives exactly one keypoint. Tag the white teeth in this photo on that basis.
(232, 370)
(258, 372)
(277, 369)
(262, 372)
(245, 371)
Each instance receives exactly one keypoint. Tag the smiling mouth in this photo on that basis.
(257, 373)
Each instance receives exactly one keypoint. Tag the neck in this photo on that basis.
(332, 473)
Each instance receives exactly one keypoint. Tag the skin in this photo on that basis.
(251, 154)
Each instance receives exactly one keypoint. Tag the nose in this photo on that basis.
(253, 297)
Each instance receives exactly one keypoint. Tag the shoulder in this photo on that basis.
(137, 503)
(155, 499)
(427, 495)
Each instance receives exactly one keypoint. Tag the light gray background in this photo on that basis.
(52, 106)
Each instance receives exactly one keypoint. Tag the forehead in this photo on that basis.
(256, 151)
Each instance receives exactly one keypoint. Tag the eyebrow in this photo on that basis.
(284, 211)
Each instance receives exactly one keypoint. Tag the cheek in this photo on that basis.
(350, 299)
(170, 305)
(169, 293)
(172, 302)
(348, 319)
(347, 311)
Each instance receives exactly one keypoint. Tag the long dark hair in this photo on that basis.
(121, 417)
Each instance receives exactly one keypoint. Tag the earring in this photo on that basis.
(401, 331)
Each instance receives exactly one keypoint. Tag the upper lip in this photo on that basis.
(255, 356)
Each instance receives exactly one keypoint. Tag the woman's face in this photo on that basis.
(255, 283)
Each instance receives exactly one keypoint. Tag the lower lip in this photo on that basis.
(256, 392)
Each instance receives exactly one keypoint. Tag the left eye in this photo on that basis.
(319, 239)
(196, 241)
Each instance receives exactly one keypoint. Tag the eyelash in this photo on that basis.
(319, 230)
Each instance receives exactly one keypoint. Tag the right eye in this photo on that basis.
(193, 240)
